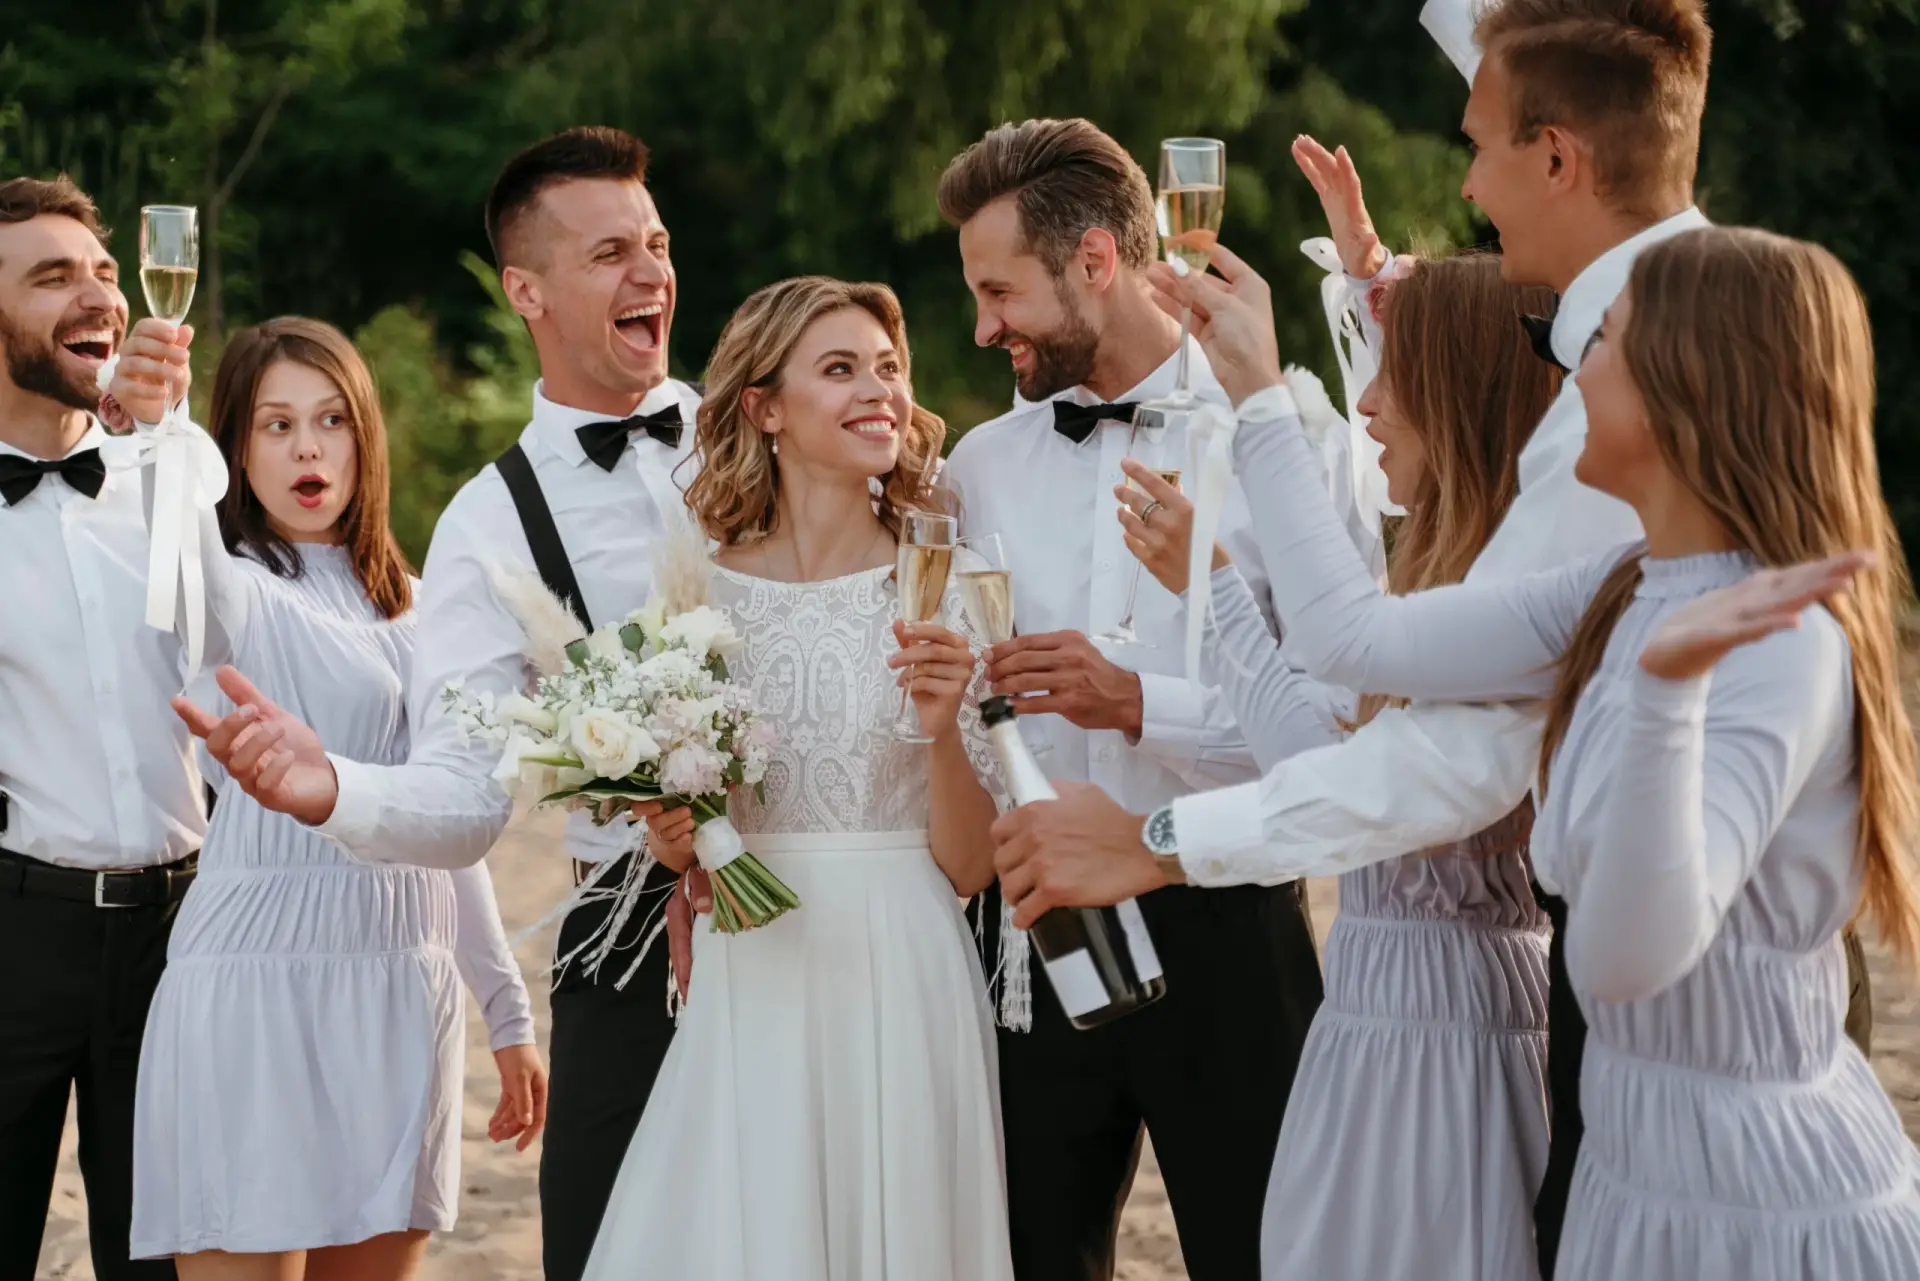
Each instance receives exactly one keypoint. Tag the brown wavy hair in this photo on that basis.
(733, 494)
(377, 559)
(1460, 369)
(1754, 356)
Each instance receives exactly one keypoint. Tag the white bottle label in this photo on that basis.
(1077, 983)
(1146, 961)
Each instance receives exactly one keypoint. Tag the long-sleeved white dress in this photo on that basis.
(300, 1080)
(1702, 833)
(830, 1107)
(1422, 1084)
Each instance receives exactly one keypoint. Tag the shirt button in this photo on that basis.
(1106, 563)
(1106, 753)
(1214, 867)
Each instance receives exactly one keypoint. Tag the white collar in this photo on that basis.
(1154, 386)
(556, 424)
(1585, 302)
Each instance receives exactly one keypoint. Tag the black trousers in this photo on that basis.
(75, 983)
(606, 1048)
(1566, 1047)
(1206, 1069)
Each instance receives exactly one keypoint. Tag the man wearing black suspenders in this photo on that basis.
(592, 482)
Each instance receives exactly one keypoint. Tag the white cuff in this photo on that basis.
(1217, 831)
(517, 1030)
(356, 808)
(1666, 702)
(1268, 404)
(1172, 721)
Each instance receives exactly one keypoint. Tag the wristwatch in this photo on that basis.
(1157, 835)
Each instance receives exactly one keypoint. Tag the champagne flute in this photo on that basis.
(986, 593)
(169, 264)
(1191, 202)
(1123, 633)
(920, 579)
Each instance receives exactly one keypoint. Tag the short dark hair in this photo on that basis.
(1630, 76)
(585, 151)
(1067, 176)
(25, 198)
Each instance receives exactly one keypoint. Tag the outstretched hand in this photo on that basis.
(1232, 319)
(273, 755)
(1337, 183)
(1702, 632)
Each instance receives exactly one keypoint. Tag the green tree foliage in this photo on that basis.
(343, 148)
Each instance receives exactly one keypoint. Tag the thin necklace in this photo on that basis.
(793, 553)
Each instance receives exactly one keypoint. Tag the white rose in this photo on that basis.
(703, 630)
(522, 779)
(514, 707)
(608, 745)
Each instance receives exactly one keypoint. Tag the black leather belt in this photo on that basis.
(143, 887)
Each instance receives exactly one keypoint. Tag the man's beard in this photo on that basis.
(1062, 359)
(34, 366)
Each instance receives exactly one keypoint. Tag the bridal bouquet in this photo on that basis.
(638, 710)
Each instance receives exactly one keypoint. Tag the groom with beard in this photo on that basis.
(100, 807)
(1056, 233)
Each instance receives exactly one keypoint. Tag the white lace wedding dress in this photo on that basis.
(829, 1109)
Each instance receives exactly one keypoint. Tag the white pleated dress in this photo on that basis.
(1422, 1083)
(829, 1108)
(300, 1079)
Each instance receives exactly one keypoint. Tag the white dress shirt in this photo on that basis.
(442, 808)
(98, 769)
(1052, 503)
(1432, 773)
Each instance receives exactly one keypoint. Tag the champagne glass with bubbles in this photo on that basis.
(920, 578)
(1191, 203)
(986, 593)
(169, 264)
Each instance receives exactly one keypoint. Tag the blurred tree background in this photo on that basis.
(339, 151)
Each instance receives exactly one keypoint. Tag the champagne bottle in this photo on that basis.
(1100, 960)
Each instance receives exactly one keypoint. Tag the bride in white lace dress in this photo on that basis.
(829, 1109)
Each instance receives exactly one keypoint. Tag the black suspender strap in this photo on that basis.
(543, 538)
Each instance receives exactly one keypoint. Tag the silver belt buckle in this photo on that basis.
(100, 890)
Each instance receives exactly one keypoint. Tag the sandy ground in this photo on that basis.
(498, 1236)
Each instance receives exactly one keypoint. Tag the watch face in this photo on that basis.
(1160, 832)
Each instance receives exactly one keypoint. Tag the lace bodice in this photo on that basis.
(816, 660)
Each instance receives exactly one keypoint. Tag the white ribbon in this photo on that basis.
(1357, 369)
(1451, 24)
(1210, 429)
(189, 476)
(716, 843)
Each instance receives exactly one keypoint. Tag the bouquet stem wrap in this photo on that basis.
(745, 894)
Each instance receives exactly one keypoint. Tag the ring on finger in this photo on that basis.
(1146, 513)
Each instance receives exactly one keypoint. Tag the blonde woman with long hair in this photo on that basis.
(1422, 1083)
(1728, 775)
(829, 1109)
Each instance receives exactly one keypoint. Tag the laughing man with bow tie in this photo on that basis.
(1056, 230)
(592, 482)
(100, 809)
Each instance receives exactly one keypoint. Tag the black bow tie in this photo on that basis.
(1076, 422)
(605, 442)
(20, 475)
(1540, 334)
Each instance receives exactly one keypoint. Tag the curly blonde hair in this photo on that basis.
(734, 494)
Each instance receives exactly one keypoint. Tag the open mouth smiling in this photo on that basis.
(641, 325)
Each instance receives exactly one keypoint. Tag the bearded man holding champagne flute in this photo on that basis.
(1057, 230)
